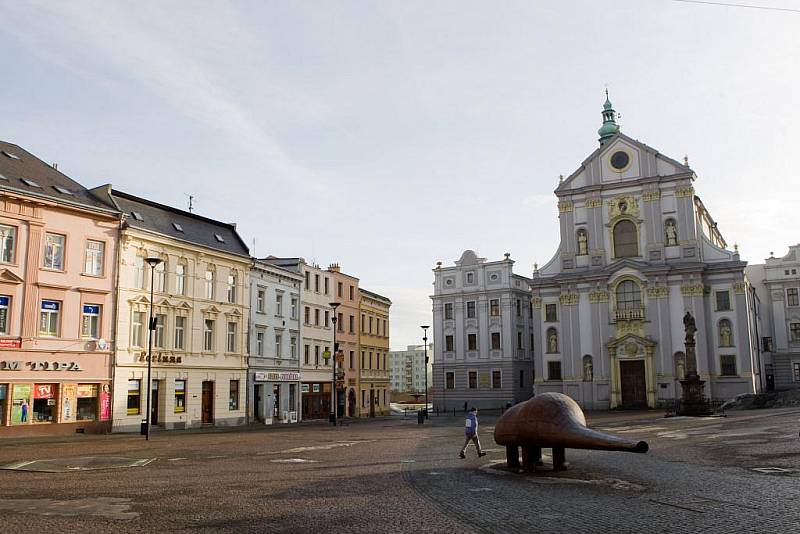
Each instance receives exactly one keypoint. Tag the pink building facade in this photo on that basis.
(58, 249)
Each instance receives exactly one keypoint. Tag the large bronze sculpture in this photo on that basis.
(552, 420)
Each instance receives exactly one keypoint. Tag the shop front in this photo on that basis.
(316, 400)
(276, 396)
(54, 396)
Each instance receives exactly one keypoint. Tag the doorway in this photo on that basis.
(634, 384)
(372, 403)
(276, 401)
(258, 410)
(154, 403)
(208, 403)
(351, 403)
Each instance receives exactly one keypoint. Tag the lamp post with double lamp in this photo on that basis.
(425, 341)
(153, 262)
(334, 397)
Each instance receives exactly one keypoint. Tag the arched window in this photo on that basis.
(552, 340)
(629, 295)
(670, 233)
(626, 242)
(725, 333)
(588, 369)
(583, 242)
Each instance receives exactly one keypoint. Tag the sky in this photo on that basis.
(387, 136)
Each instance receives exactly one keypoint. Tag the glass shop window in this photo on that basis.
(87, 402)
(44, 403)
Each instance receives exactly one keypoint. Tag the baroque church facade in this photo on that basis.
(638, 250)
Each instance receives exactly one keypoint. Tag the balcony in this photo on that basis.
(375, 375)
(631, 314)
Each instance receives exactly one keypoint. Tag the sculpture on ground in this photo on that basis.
(552, 420)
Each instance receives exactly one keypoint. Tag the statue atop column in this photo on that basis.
(693, 400)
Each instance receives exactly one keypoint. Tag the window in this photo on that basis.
(231, 337)
(629, 296)
(308, 280)
(554, 370)
(450, 380)
(626, 243)
(472, 380)
(521, 379)
(363, 323)
(260, 343)
(448, 312)
(180, 279)
(180, 396)
(50, 311)
(278, 341)
(177, 227)
(138, 272)
(260, 296)
(352, 289)
(472, 342)
(137, 329)
(795, 372)
(219, 238)
(293, 345)
(370, 325)
(497, 380)
(159, 277)
(494, 307)
(90, 321)
(495, 340)
(352, 324)
(279, 305)
(316, 317)
(327, 318)
(363, 361)
(519, 308)
(520, 345)
(54, 251)
(209, 284)
(134, 396)
(340, 323)
(725, 333)
(551, 313)
(316, 354)
(327, 282)
(180, 332)
(231, 293)
(471, 309)
(470, 278)
(727, 365)
(306, 354)
(208, 335)
(792, 298)
(233, 395)
(5, 305)
(448, 343)
(352, 358)
(8, 235)
(294, 308)
(723, 300)
(340, 289)
(86, 405)
(308, 315)
(316, 283)
(158, 340)
(94, 257)
(794, 330)
(552, 340)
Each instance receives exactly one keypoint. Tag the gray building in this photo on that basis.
(638, 250)
(408, 369)
(777, 290)
(482, 334)
(274, 339)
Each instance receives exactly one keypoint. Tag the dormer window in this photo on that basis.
(177, 227)
(62, 190)
(30, 183)
(136, 215)
(219, 238)
(10, 155)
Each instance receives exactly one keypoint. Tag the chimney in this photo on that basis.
(334, 268)
(55, 166)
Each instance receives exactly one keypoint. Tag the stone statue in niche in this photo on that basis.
(623, 206)
(588, 372)
(725, 335)
(552, 342)
(583, 242)
(671, 233)
(680, 368)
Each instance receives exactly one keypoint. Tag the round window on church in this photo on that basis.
(620, 160)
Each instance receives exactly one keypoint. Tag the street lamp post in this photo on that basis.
(334, 398)
(425, 341)
(153, 262)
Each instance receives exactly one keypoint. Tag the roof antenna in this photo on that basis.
(191, 202)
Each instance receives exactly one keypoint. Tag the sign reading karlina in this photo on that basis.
(290, 376)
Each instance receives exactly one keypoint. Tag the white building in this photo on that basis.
(274, 347)
(408, 369)
(483, 350)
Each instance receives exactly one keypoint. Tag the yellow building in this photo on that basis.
(374, 379)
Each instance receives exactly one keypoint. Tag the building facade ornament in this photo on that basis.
(693, 290)
(598, 295)
(565, 206)
(684, 191)
(569, 299)
(623, 206)
(658, 292)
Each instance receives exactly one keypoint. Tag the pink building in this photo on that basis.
(58, 248)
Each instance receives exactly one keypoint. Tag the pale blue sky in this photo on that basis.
(423, 128)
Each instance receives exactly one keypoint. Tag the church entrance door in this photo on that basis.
(634, 384)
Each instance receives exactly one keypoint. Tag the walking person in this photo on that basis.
(471, 433)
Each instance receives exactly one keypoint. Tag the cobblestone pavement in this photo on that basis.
(396, 476)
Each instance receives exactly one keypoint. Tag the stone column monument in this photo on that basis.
(693, 401)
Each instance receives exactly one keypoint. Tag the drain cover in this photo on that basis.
(83, 463)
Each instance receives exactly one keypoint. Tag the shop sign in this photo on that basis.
(10, 343)
(105, 403)
(87, 391)
(7, 365)
(289, 376)
(304, 388)
(44, 391)
(68, 392)
(20, 404)
(161, 358)
(315, 388)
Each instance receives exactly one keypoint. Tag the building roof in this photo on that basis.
(178, 224)
(267, 262)
(375, 296)
(21, 171)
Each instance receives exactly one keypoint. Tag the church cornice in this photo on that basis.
(615, 186)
